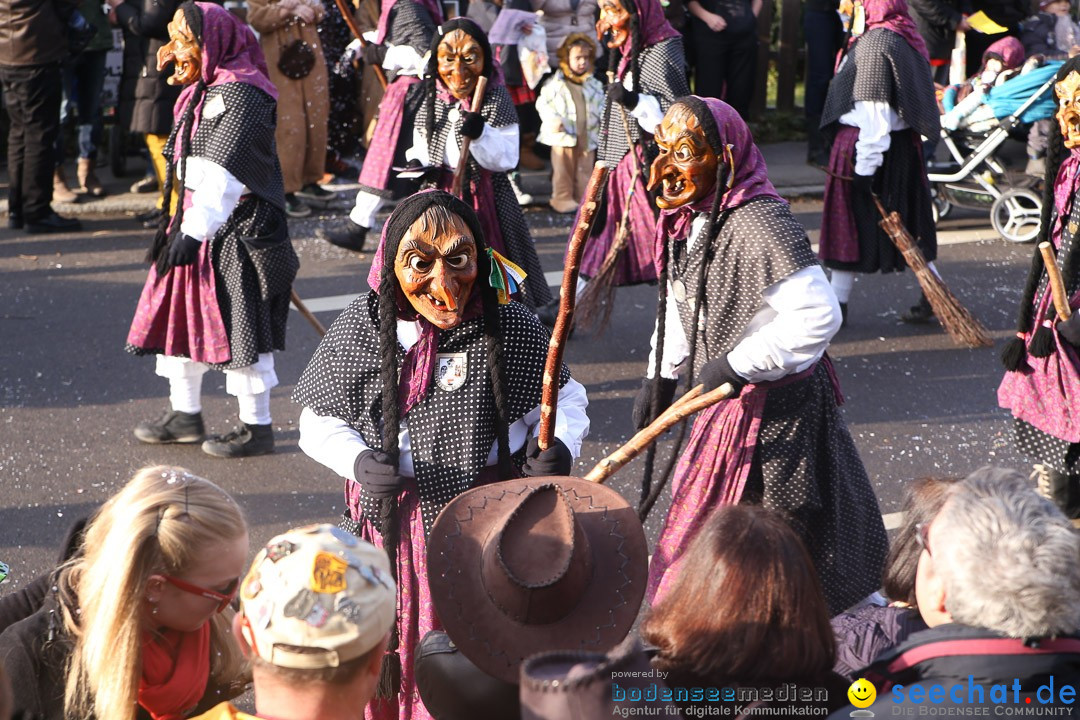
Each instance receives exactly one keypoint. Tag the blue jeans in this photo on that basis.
(84, 80)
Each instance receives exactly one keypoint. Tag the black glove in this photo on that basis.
(618, 94)
(862, 185)
(373, 54)
(376, 474)
(556, 460)
(472, 125)
(1070, 329)
(717, 372)
(644, 412)
(182, 251)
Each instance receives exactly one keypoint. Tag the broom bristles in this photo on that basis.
(597, 300)
(957, 320)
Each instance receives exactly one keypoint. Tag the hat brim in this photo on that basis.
(489, 638)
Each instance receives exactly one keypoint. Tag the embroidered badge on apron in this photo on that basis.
(451, 369)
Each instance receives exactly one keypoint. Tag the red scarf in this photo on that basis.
(175, 671)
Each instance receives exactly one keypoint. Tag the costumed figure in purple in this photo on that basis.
(460, 56)
(399, 45)
(744, 301)
(1042, 385)
(880, 104)
(218, 293)
(646, 55)
(424, 387)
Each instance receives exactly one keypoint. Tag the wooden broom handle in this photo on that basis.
(567, 299)
(463, 161)
(687, 405)
(307, 313)
(1057, 285)
(343, 8)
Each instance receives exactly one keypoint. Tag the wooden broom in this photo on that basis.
(549, 398)
(961, 325)
(1057, 285)
(458, 183)
(598, 298)
(690, 403)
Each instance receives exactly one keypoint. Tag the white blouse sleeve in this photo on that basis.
(648, 113)
(676, 346)
(214, 195)
(571, 420)
(873, 121)
(330, 441)
(804, 317)
(496, 149)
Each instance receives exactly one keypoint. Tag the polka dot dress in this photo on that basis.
(805, 463)
(663, 75)
(451, 431)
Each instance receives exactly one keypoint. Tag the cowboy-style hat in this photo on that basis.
(536, 564)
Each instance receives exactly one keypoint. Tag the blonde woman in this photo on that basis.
(138, 626)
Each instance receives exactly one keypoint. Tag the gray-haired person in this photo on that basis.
(998, 583)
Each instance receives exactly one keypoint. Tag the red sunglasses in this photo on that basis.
(222, 599)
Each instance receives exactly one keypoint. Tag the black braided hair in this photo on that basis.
(408, 212)
(1042, 343)
(164, 236)
(712, 133)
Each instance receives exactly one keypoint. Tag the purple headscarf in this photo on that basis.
(1009, 50)
(751, 176)
(384, 16)
(230, 53)
(653, 27)
(893, 15)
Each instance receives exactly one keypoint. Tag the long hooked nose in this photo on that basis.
(657, 171)
(444, 288)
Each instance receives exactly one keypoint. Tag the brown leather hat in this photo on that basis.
(536, 564)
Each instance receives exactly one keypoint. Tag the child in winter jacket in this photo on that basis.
(569, 106)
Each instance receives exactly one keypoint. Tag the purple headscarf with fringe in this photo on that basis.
(751, 177)
(653, 27)
(230, 53)
(893, 15)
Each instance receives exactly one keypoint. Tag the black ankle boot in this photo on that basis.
(351, 238)
(172, 427)
(920, 313)
(843, 314)
(245, 441)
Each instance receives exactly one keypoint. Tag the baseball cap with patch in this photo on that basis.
(317, 597)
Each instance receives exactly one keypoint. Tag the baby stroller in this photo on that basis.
(976, 178)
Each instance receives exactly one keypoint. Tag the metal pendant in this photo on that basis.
(678, 289)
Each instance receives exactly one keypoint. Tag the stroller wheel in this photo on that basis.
(1015, 215)
(940, 206)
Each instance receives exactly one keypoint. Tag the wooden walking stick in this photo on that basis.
(957, 320)
(1057, 285)
(307, 313)
(567, 298)
(686, 406)
(463, 161)
(597, 298)
(343, 8)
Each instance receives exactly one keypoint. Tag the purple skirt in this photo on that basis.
(635, 264)
(375, 175)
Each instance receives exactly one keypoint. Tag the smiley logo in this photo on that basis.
(862, 693)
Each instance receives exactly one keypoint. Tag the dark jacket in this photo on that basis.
(1039, 38)
(34, 32)
(146, 98)
(944, 656)
(34, 651)
(937, 20)
(867, 632)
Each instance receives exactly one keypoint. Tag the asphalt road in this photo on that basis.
(69, 395)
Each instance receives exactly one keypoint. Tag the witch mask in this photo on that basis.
(1068, 114)
(436, 267)
(685, 169)
(460, 63)
(182, 50)
(614, 19)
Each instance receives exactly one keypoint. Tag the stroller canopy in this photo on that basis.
(1008, 97)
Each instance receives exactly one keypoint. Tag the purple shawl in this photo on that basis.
(750, 181)
(653, 27)
(388, 5)
(230, 53)
(893, 15)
